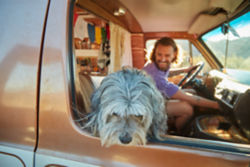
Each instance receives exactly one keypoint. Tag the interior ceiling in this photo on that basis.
(165, 15)
(144, 16)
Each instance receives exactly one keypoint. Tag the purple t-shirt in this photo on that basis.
(168, 89)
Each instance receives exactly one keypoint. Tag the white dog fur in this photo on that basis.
(126, 108)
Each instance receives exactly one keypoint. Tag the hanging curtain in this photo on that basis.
(80, 28)
(120, 43)
(127, 52)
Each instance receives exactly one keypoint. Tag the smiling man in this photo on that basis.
(180, 105)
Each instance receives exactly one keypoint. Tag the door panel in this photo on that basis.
(18, 157)
(20, 40)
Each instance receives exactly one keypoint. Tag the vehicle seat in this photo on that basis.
(84, 90)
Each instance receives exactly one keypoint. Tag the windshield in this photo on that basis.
(230, 44)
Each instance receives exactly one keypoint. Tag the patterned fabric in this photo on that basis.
(91, 32)
(98, 35)
(108, 31)
(104, 35)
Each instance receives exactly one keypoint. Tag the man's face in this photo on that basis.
(164, 56)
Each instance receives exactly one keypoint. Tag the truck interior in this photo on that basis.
(109, 35)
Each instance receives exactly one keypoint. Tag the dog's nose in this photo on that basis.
(125, 138)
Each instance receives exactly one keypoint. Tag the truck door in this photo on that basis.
(21, 31)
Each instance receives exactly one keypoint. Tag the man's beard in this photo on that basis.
(164, 67)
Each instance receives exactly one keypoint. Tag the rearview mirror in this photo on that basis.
(225, 28)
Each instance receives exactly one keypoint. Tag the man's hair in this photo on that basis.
(165, 41)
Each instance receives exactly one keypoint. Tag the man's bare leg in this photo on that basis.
(181, 111)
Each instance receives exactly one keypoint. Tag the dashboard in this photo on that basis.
(227, 90)
(235, 98)
(232, 123)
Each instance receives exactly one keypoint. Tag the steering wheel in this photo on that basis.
(190, 76)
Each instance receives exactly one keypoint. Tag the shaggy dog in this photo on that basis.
(126, 108)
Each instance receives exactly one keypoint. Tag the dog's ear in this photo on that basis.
(159, 122)
(95, 116)
(95, 100)
(97, 95)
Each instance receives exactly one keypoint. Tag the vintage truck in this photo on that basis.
(45, 58)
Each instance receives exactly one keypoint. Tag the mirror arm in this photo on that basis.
(190, 53)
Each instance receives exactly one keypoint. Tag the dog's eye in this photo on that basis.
(139, 117)
(114, 114)
(112, 117)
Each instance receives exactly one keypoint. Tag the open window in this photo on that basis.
(107, 52)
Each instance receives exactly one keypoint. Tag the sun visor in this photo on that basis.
(228, 5)
(204, 22)
(212, 17)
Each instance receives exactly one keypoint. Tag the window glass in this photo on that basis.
(230, 45)
(183, 59)
(236, 48)
(188, 54)
(197, 57)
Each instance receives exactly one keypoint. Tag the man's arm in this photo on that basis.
(195, 100)
(177, 71)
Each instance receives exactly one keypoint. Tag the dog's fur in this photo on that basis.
(126, 108)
